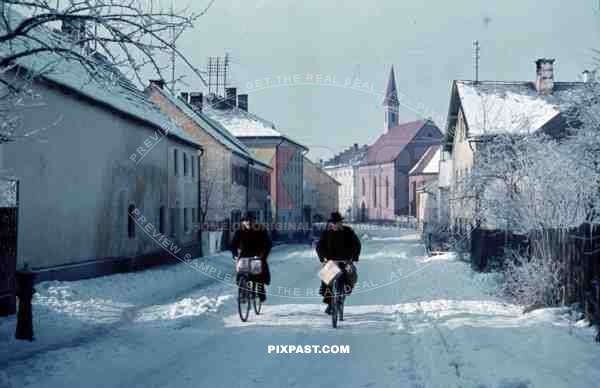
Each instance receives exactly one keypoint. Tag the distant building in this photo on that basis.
(320, 185)
(422, 181)
(344, 168)
(271, 147)
(383, 173)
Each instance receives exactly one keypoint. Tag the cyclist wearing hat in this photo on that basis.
(338, 242)
(252, 240)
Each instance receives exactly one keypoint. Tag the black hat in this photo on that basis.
(249, 217)
(336, 217)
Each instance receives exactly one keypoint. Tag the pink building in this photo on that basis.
(383, 174)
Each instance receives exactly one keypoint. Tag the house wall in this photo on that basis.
(258, 193)
(289, 160)
(462, 164)
(267, 155)
(77, 180)
(286, 191)
(347, 176)
(414, 183)
(219, 195)
(379, 189)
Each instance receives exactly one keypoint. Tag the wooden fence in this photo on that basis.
(578, 248)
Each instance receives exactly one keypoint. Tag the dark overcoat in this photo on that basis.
(252, 242)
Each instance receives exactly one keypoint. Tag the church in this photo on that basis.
(383, 185)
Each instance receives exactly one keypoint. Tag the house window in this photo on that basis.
(193, 166)
(173, 222)
(374, 191)
(131, 221)
(387, 192)
(176, 162)
(185, 164)
(161, 220)
(186, 219)
(364, 191)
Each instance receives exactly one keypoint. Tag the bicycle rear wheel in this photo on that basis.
(334, 304)
(243, 298)
(256, 299)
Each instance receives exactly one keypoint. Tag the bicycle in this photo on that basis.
(247, 294)
(338, 295)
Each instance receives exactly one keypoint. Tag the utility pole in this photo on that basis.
(476, 57)
(172, 53)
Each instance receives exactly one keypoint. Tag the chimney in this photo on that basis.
(159, 83)
(74, 28)
(355, 146)
(196, 100)
(544, 82)
(185, 96)
(230, 95)
(586, 74)
(242, 101)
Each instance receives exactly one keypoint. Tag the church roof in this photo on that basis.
(391, 94)
(389, 145)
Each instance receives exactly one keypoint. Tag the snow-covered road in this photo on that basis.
(413, 321)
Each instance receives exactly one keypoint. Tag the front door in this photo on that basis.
(8, 244)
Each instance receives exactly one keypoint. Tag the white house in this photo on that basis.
(344, 168)
(109, 184)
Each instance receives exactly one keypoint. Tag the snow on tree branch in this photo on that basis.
(108, 38)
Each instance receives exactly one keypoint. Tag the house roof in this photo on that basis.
(492, 107)
(212, 127)
(429, 162)
(349, 157)
(244, 124)
(109, 88)
(389, 145)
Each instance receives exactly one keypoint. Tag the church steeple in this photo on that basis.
(391, 103)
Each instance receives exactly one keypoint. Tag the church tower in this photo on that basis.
(391, 103)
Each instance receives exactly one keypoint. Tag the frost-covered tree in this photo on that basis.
(109, 38)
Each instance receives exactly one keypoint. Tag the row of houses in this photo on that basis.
(117, 178)
(413, 168)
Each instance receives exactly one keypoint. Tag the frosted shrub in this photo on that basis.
(533, 281)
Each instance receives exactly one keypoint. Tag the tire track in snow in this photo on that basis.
(424, 354)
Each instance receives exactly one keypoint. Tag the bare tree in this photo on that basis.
(108, 38)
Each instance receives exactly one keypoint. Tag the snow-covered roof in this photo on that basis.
(515, 107)
(212, 127)
(429, 163)
(110, 87)
(243, 124)
(352, 156)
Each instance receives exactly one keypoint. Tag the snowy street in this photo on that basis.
(413, 321)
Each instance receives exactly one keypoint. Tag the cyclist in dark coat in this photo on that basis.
(253, 240)
(339, 242)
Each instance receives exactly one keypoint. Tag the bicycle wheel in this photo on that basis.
(243, 298)
(334, 304)
(256, 299)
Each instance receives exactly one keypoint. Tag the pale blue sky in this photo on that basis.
(430, 42)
